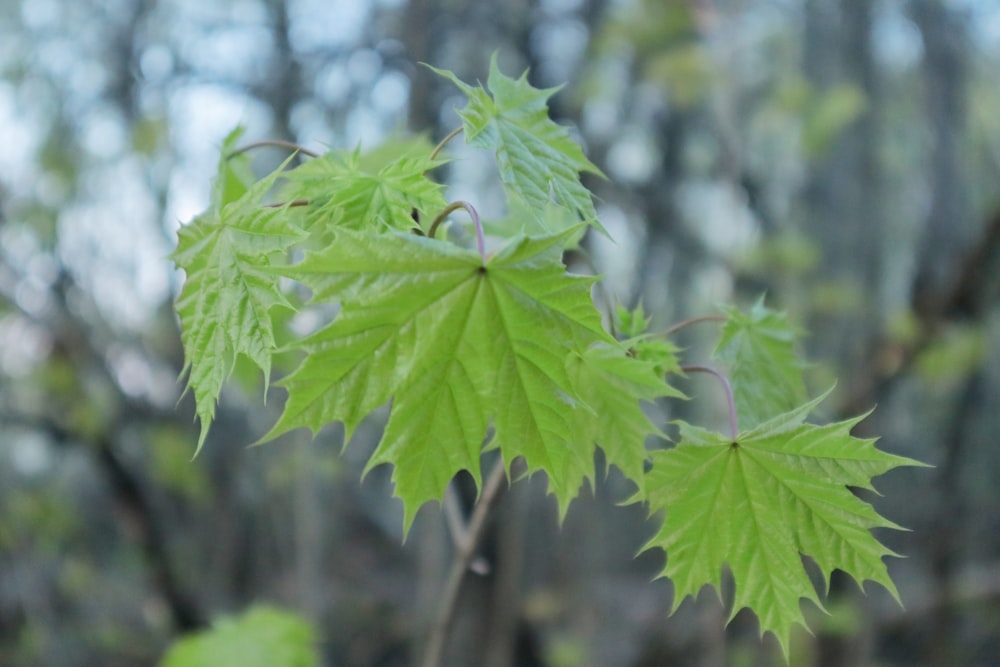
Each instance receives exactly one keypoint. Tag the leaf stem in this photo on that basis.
(444, 142)
(279, 143)
(734, 426)
(451, 208)
(290, 204)
(694, 320)
(464, 556)
(453, 517)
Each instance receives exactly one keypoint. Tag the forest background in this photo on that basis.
(842, 158)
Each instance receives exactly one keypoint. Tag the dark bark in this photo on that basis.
(418, 36)
(843, 194)
(973, 293)
(947, 230)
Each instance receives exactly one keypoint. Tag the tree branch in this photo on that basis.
(127, 491)
(464, 556)
(275, 143)
(967, 298)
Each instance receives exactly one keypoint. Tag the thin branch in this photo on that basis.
(130, 496)
(452, 508)
(444, 142)
(694, 320)
(289, 204)
(734, 426)
(464, 556)
(276, 143)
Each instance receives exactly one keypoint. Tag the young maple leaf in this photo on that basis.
(757, 504)
(456, 342)
(758, 349)
(537, 158)
(661, 354)
(226, 302)
(374, 191)
(609, 381)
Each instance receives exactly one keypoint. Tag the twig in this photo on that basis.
(464, 556)
(694, 320)
(289, 204)
(444, 142)
(453, 517)
(277, 143)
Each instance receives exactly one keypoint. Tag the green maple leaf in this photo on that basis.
(262, 637)
(226, 302)
(631, 323)
(756, 504)
(758, 350)
(610, 381)
(456, 342)
(374, 191)
(537, 158)
(233, 175)
(652, 349)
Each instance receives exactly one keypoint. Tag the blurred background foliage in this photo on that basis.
(841, 157)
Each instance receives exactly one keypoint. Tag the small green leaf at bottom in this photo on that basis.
(262, 637)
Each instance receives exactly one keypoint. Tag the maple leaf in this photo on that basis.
(226, 302)
(537, 158)
(375, 191)
(234, 175)
(610, 381)
(756, 504)
(650, 348)
(758, 349)
(456, 342)
(264, 636)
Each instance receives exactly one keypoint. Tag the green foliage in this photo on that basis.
(225, 305)
(170, 464)
(684, 71)
(505, 350)
(758, 351)
(756, 503)
(262, 637)
(824, 114)
(790, 253)
(953, 355)
(453, 339)
(537, 159)
(377, 189)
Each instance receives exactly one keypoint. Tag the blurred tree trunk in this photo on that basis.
(865, 236)
(947, 229)
(944, 242)
(418, 40)
(843, 193)
(843, 203)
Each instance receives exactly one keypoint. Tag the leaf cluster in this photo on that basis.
(498, 347)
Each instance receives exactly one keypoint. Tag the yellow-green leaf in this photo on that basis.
(538, 159)
(226, 302)
(756, 505)
(457, 342)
